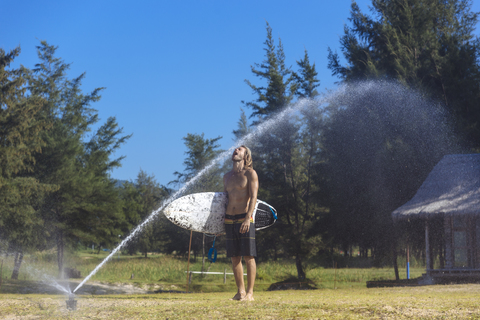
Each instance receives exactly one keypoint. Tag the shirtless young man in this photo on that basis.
(241, 183)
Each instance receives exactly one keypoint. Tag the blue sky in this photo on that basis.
(172, 67)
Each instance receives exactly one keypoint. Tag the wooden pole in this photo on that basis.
(335, 277)
(427, 248)
(408, 262)
(203, 254)
(188, 264)
(1, 274)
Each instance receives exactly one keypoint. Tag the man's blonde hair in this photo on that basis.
(248, 157)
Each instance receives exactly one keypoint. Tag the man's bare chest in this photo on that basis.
(236, 181)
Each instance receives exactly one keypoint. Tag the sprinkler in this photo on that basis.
(71, 302)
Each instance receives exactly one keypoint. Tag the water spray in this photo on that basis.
(344, 95)
(261, 129)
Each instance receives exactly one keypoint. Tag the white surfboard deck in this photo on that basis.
(205, 212)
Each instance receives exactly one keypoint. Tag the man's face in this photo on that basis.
(238, 154)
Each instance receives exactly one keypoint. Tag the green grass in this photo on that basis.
(341, 293)
(429, 302)
(170, 270)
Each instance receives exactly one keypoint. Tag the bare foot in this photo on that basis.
(239, 296)
(247, 297)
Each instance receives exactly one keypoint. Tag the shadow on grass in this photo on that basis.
(394, 283)
(292, 283)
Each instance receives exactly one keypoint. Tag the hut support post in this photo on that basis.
(408, 262)
(427, 249)
(448, 242)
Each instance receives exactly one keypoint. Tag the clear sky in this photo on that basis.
(172, 67)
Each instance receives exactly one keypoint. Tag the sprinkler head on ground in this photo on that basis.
(71, 302)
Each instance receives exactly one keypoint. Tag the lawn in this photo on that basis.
(167, 272)
(113, 294)
(426, 302)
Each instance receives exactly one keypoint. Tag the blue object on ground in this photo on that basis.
(212, 253)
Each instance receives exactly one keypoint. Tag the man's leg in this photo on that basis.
(238, 274)
(251, 273)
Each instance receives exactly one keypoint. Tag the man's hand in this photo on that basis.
(245, 227)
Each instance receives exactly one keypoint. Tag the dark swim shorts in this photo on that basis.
(239, 244)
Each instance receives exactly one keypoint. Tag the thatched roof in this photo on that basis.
(453, 187)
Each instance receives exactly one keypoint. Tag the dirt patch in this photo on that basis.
(99, 288)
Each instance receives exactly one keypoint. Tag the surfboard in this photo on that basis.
(205, 212)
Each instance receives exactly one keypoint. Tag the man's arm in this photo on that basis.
(252, 185)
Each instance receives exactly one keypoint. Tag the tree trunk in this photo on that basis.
(395, 263)
(60, 248)
(345, 250)
(298, 261)
(17, 264)
(300, 271)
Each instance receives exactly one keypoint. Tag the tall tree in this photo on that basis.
(278, 92)
(426, 44)
(85, 197)
(380, 144)
(102, 218)
(306, 81)
(20, 141)
(151, 197)
(284, 153)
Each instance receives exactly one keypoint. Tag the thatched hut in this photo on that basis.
(451, 195)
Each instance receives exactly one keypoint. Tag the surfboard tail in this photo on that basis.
(265, 215)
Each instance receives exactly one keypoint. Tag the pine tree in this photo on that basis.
(132, 209)
(20, 141)
(306, 81)
(427, 44)
(200, 152)
(139, 199)
(152, 195)
(102, 215)
(85, 205)
(243, 129)
(278, 93)
(381, 142)
(283, 157)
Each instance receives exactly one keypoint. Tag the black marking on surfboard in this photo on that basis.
(265, 216)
